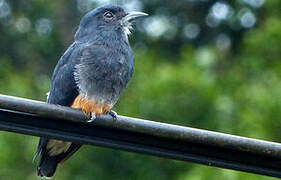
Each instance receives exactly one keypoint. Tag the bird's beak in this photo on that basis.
(133, 15)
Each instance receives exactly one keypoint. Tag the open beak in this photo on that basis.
(133, 15)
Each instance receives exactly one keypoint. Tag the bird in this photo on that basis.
(90, 75)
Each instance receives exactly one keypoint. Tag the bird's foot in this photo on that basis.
(92, 118)
(113, 114)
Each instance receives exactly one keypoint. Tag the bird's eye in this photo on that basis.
(108, 15)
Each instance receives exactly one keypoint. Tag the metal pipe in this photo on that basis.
(142, 136)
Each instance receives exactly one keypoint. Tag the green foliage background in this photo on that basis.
(187, 82)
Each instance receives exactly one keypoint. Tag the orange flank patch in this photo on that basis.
(90, 106)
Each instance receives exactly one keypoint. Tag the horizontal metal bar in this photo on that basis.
(142, 136)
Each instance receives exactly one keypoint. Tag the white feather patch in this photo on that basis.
(128, 28)
(56, 147)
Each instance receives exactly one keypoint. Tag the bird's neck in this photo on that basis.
(109, 38)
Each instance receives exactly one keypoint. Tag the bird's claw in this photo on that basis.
(113, 114)
(92, 118)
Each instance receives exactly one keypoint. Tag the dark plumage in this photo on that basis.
(91, 75)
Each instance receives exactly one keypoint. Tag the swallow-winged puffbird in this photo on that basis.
(91, 75)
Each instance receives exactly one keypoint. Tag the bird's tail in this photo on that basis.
(47, 165)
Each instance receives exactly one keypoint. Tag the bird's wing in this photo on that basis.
(59, 86)
(63, 88)
(63, 92)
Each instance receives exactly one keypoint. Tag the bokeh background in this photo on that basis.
(201, 63)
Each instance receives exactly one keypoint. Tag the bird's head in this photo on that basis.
(105, 21)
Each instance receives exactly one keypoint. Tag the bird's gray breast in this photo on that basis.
(104, 72)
